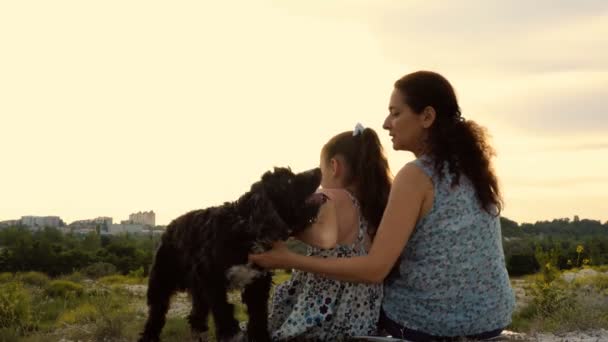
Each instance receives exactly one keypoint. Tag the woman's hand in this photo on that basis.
(278, 257)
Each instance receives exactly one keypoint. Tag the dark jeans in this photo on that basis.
(390, 327)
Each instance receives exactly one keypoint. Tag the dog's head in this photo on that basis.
(287, 201)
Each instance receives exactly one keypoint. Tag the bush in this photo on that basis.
(518, 265)
(138, 273)
(5, 277)
(76, 277)
(82, 314)
(99, 269)
(64, 288)
(119, 279)
(10, 335)
(177, 329)
(112, 319)
(15, 307)
(598, 281)
(551, 297)
(559, 306)
(33, 278)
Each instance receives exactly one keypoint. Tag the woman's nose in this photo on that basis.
(386, 124)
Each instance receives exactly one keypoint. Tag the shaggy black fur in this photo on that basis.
(199, 248)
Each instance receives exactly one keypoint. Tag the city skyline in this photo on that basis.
(109, 107)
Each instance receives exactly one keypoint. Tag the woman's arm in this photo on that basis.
(323, 233)
(398, 222)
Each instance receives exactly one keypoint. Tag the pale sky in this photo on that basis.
(113, 107)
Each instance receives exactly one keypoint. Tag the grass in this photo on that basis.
(559, 306)
(84, 309)
(77, 308)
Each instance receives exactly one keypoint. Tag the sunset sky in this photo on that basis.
(113, 107)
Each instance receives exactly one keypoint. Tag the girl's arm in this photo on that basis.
(398, 222)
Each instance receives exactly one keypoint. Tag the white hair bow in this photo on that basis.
(358, 129)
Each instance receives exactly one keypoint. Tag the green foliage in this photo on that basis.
(111, 325)
(76, 277)
(559, 305)
(15, 307)
(521, 264)
(599, 282)
(112, 319)
(10, 335)
(176, 329)
(99, 269)
(55, 253)
(550, 297)
(548, 263)
(119, 279)
(578, 243)
(84, 313)
(64, 288)
(5, 277)
(138, 273)
(33, 278)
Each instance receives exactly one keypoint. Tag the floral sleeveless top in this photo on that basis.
(452, 279)
(309, 307)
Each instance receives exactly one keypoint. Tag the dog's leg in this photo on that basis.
(199, 314)
(161, 285)
(255, 296)
(226, 327)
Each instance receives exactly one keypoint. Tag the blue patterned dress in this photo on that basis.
(452, 278)
(309, 307)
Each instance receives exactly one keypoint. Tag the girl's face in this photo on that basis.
(406, 127)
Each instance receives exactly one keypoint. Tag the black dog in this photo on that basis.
(205, 253)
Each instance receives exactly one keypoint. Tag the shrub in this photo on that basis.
(64, 288)
(82, 314)
(177, 329)
(15, 306)
(5, 277)
(76, 277)
(138, 273)
(551, 297)
(118, 279)
(10, 335)
(598, 281)
(99, 269)
(112, 318)
(33, 278)
(559, 306)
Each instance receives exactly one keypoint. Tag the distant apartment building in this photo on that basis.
(10, 223)
(84, 226)
(125, 228)
(38, 222)
(91, 223)
(145, 218)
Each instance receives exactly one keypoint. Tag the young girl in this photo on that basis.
(356, 182)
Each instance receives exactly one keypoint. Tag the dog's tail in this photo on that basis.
(162, 283)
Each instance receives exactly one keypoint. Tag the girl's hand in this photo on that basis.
(278, 257)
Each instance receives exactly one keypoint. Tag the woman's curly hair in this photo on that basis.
(463, 144)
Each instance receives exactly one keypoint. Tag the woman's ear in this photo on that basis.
(428, 116)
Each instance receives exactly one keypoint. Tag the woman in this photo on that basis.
(440, 232)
